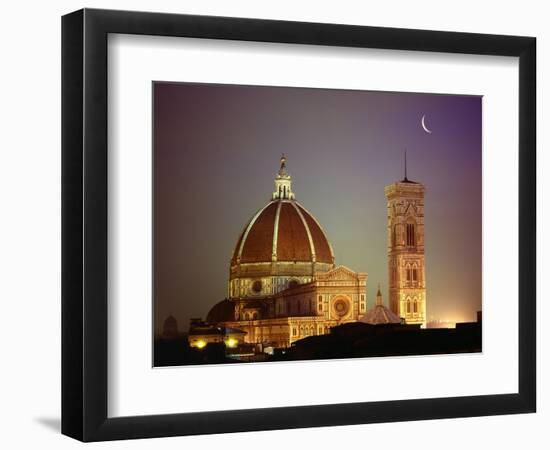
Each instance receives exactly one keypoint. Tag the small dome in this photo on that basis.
(223, 311)
(380, 315)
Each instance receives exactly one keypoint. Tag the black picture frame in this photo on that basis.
(84, 224)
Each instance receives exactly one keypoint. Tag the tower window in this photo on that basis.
(415, 306)
(411, 235)
(415, 274)
(408, 305)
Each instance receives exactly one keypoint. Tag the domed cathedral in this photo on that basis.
(405, 240)
(283, 245)
(283, 282)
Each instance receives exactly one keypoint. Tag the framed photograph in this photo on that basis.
(273, 224)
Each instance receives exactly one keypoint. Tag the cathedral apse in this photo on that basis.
(295, 223)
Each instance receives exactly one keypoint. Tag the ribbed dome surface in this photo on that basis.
(380, 315)
(282, 231)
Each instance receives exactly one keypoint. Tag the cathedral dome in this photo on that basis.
(281, 245)
(282, 231)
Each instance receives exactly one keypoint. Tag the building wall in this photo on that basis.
(311, 308)
(273, 276)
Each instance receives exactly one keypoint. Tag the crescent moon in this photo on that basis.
(424, 125)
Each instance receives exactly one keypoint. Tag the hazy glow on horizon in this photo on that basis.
(217, 149)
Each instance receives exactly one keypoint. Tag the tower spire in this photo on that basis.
(405, 179)
(378, 296)
(283, 183)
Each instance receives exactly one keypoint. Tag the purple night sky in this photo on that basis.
(217, 150)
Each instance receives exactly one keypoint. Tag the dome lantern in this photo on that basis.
(283, 183)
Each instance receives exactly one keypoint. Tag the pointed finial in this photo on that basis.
(282, 170)
(378, 296)
(405, 179)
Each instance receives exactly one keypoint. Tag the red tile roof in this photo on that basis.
(287, 228)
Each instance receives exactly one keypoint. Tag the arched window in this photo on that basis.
(411, 233)
(415, 273)
(415, 306)
(408, 305)
(320, 330)
(312, 330)
(301, 331)
(409, 272)
(294, 332)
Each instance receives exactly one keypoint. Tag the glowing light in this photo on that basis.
(231, 342)
(200, 344)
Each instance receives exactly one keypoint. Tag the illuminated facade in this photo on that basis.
(405, 243)
(283, 282)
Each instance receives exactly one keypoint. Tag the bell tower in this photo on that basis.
(405, 243)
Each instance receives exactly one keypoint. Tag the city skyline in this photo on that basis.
(216, 151)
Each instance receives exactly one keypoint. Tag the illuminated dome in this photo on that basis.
(281, 244)
(282, 231)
